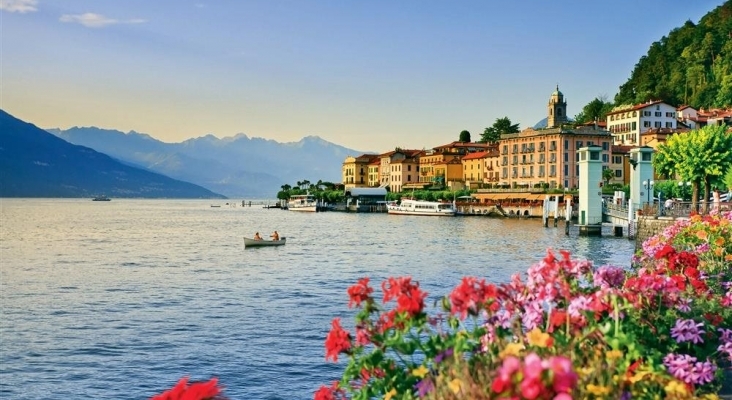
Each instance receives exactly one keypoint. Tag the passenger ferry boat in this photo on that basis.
(421, 207)
(303, 202)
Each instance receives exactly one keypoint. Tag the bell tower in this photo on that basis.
(557, 110)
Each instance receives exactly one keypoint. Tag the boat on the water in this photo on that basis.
(101, 198)
(249, 242)
(302, 202)
(422, 207)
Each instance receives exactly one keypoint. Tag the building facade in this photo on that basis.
(354, 172)
(626, 123)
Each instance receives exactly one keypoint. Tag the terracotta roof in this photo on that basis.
(476, 155)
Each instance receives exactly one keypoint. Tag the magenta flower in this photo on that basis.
(686, 368)
(686, 330)
(684, 305)
(608, 277)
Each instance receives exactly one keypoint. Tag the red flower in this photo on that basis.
(470, 296)
(324, 393)
(196, 391)
(557, 319)
(714, 319)
(666, 250)
(338, 341)
(359, 292)
(329, 393)
(410, 298)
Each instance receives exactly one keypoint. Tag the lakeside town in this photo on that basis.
(520, 168)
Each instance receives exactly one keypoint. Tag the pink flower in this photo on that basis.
(564, 377)
(686, 330)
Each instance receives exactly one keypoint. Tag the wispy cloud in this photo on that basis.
(19, 6)
(92, 20)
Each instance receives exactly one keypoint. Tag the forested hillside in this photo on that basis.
(692, 65)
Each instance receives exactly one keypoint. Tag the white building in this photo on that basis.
(626, 123)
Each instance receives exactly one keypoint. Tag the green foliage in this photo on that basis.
(728, 178)
(322, 190)
(692, 65)
(429, 195)
(607, 175)
(594, 111)
(502, 126)
(697, 157)
(464, 137)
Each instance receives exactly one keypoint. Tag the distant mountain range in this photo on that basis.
(237, 166)
(35, 163)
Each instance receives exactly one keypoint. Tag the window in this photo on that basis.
(618, 173)
(566, 169)
(515, 148)
(605, 146)
(605, 158)
(658, 114)
(579, 144)
(566, 143)
(657, 124)
(669, 125)
(634, 126)
(409, 168)
(646, 124)
(566, 157)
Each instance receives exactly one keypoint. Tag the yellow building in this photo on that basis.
(354, 171)
(480, 168)
(373, 180)
(443, 156)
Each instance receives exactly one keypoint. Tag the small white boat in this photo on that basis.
(422, 207)
(303, 202)
(249, 242)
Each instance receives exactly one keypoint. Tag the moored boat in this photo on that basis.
(101, 198)
(303, 202)
(249, 242)
(422, 207)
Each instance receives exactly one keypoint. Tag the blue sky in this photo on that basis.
(368, 75)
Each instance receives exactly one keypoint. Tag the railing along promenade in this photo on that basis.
(677, 210)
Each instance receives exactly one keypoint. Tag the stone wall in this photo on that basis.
(650, 226)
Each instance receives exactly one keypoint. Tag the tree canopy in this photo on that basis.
(692, 65)
(594, 111)
(502, 126)
(699, 156)
(464, 137)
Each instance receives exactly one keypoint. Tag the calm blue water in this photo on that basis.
(118, 300)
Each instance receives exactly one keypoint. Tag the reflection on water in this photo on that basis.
(119, 299)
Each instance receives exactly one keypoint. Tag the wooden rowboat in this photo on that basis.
(248, 242)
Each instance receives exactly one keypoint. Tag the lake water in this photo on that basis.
(119, 299)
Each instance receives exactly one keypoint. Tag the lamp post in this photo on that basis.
(648, 185)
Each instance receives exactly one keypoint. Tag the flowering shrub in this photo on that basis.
(566, 330)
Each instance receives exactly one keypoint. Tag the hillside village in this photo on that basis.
(534, 158)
